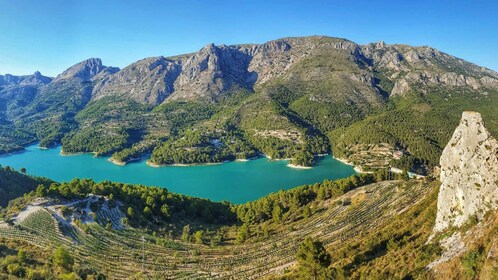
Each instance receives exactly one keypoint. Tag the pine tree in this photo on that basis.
(313, 260)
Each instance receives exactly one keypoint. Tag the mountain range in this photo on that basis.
(377, 106)
(291, 97)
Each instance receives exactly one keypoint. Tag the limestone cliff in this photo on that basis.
(148, 81)
(213, 71)
(469, 174)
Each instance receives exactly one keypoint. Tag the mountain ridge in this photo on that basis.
(279, 98)
(379, 53)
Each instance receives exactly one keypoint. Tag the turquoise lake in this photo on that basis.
(237, 182)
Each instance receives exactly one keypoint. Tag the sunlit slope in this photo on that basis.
(358, 215)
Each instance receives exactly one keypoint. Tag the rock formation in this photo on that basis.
(214, 70)
(86, 70)
(37, 79)
(147, 81)
(469, 174)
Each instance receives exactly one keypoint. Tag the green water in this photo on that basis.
(234, 181)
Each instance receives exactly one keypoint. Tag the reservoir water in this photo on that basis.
(237, 182)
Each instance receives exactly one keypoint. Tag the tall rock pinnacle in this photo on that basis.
(469, 174)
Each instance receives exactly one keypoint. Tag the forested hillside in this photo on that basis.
(287, 98)
(193, 237)
(14, 184)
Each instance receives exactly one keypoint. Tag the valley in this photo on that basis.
(288, 159)
(288, 98)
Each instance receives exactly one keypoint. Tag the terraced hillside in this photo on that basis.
(102, 241)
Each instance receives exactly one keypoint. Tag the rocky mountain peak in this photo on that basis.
(9, 79)
(212, 71)
(84, 70)
(380, 45)
(209, 47)
(148, 81)
(37, 79)
(469, 174)
(276, 46)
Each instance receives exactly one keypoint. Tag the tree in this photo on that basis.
(242, 234)
(277, 213)
(313, 260)
(15, 269)
(147, 211)
(306, 212)
(63, 259)
(35, 274)
(198, 236)
(68, 276)
(216, 240)
(41, 191)
(130, 212)
(322, 194)
(150, 201)
(165, 211)
(266, 232)
(186, 233)
(304, 158)
(22, 256)
(23, 170)
(66, 211)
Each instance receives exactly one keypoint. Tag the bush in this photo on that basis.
(63, 259)
(471, 262)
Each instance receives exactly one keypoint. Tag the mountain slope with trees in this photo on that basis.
(287, 98)
(368, 226)
(190, 237)
(14, 184)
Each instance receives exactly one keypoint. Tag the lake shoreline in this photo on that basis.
(356, 168)
(290, 165)
(155, 165)
(296, 166)
(123, 163)
(234, 182)
(65, 154)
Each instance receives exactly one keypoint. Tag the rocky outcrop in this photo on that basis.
(86, 70)
(69, 92)
(19, 91)
(469, 174)
(37, 79)
(426, 78)
(213, 70)
(147, 81)
(418, 68)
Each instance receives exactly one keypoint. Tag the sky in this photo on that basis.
(52, 35)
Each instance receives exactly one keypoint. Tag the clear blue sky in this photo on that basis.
(52, 35)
